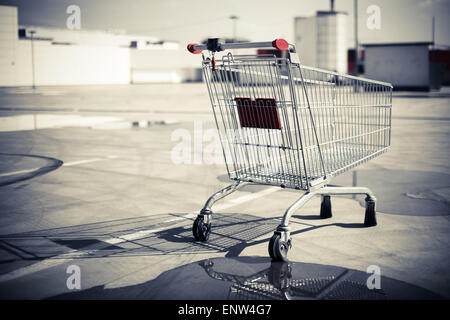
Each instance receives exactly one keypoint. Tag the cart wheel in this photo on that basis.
(370, 219)
(278, 249)
(272, 246)
(201, 230)
(325, 208)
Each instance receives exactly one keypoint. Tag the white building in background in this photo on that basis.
(321, 40)
(407, 65)
(77, 57)
(8, 45)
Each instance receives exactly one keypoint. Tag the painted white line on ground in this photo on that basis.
(6, 174)
(144, 233)
(187, 216)
(255, 195)
(66, 164)
(249, 197)
(76, 163)
(66, 257)
(86, 251)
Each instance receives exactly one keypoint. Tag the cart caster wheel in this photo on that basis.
(370, 219)
(278, 249)
(325, 208)
(201, 230)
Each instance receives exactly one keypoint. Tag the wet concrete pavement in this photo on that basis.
(120, 209)
(255, 278)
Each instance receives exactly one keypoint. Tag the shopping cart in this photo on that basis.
(284, 124)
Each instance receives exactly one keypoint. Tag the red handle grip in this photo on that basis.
(191, 49)
(280, 44)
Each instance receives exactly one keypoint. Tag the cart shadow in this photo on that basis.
(307, 217)
(163, 234)
(233, 238)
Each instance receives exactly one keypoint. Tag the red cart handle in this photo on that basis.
(279, 44)
(191, 49)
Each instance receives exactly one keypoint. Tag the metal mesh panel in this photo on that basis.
(285, 124)
(350, 116)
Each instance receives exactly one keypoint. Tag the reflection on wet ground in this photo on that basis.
(257, 278)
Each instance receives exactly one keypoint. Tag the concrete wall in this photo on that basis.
(8, 44)
(149, 66)
(76, 57)
(71, 64)
(331, 42)
(87, 36)
(404, 66)
(341, 42)
(56, 64)
(326, 42)
(306, 40)
(321, 41)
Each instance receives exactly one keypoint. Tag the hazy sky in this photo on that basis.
(195, 20)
